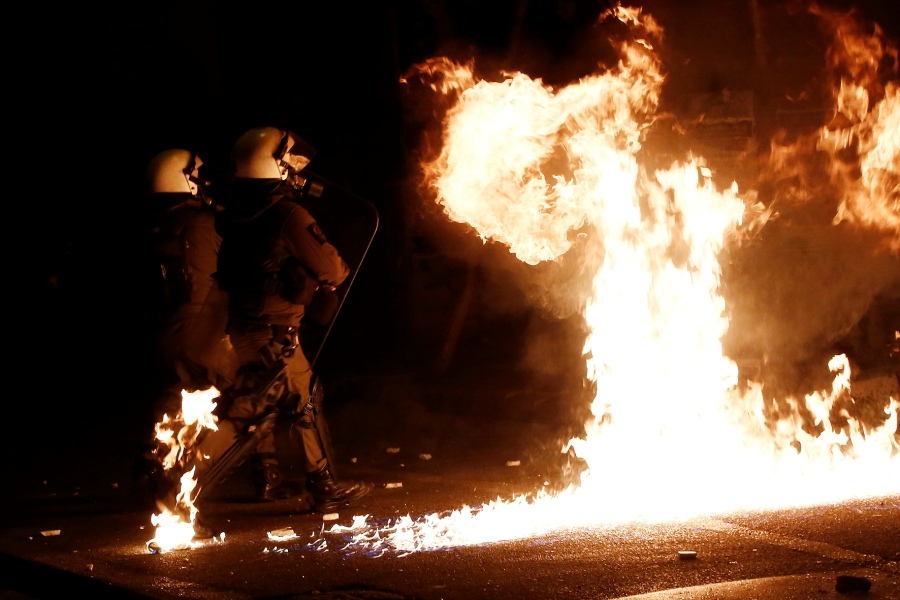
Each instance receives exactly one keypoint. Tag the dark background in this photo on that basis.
(97, 91)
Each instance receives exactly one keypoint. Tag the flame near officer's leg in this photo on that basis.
(177, 517)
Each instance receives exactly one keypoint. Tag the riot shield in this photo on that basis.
(349, 223)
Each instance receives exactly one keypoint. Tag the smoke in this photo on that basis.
(800, 289)
(823, 274)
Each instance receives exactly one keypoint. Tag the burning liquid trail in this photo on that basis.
(674, 433)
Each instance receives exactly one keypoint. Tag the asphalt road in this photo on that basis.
(101, 552)
(73, 525)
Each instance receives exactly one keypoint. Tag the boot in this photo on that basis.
(202, 531)
(329, 494)
(272, 486)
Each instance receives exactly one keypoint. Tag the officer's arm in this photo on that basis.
(308, 243)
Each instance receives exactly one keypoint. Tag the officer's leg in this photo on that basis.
(299, 377)
(328, 493)
(241, 408)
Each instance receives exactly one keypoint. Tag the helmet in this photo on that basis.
(176, 170)
(269, 153)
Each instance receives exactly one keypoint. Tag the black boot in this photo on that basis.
(329, 494)
(272, 486)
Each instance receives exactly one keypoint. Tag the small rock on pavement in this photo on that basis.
(848, 583)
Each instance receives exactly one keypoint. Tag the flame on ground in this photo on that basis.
(674, 433)
(175, 522)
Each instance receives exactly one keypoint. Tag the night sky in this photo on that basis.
(105, 88)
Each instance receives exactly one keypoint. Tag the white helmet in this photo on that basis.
(174, 171)
(269, 153)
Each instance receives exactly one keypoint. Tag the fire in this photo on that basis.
(675, 433)
(175, 521)
(867, 123)
(526, 164)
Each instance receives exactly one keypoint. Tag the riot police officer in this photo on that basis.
(191, 308)
(180, 257)
(273, 259)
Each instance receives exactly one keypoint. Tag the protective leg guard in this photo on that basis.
(272, 485)
(269, 482)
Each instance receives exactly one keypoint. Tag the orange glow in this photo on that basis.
(674, 434)
(175, 523)
(867, 122)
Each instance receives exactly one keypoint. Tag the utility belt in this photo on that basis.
(293, 282)
(240, 327)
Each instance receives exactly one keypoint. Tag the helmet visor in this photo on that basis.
(295, 154)
(192, 174)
